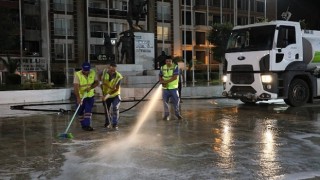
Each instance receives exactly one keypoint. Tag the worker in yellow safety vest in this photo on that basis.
(110, 85)
(84, 83)
(168, 77)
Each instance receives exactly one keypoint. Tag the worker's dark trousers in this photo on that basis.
(174, 95)
(85, 111)
(115, 102)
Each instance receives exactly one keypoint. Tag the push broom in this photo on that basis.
(106, 111)
(66, 134)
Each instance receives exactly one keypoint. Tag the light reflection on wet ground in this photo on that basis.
(219, 139)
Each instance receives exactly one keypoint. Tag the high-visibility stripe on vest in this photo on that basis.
(86, 82)
(167, 73)
(108, 85)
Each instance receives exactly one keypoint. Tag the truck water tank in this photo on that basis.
(311, 47)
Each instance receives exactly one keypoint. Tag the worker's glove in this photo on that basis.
(105, 97)
(88, 89)
(164, 85)
(79, 101)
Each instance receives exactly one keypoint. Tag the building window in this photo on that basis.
(32, 22)
(243, 5)
(200, 18)
(59, 5)
(260, 6)
(162, 33)
(60, 51)
(188, 2)
(200, 38)
(201, 57)
(96, 50)
(59, 27)
(163, 11)
(98, 27)
(201, 2)
(188, 37)
(32, 48)
(227, 3)
(214, 3)
(124, 5)
(242, 20)
(96, 5)
(188, 17)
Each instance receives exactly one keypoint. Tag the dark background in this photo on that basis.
(309, 10)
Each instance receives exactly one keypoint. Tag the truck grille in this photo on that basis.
(243, 89)
(242, 74)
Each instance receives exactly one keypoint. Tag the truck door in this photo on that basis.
(287, 49)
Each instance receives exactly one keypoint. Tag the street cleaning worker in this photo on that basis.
(168, 77)
(110, 85)
(84, 83)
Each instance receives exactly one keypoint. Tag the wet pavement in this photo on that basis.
(218, 139)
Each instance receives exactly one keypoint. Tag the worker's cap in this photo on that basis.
(113, 64)
(86, 66)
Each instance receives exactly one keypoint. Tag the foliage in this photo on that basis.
(177, 59)
(219, 37)
(35, 86)
(11, 64)
(261, 20)
(13, 79)
(58, 78)
(303, 24)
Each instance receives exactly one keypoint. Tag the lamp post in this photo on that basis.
(193, 37)
(220, 11)
(48, 43)
(162, 22)
(21, 51)
(265, 10)
(66, 31)
(88, 31)
(185, 41)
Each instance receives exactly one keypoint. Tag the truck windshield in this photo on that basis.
(251, 39)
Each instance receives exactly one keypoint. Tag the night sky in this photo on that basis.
(302, 9)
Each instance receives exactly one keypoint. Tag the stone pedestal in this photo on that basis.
(144, 52)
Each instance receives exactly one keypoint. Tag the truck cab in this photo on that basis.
(266, 61)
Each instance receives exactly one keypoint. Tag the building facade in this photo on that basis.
(58, 35)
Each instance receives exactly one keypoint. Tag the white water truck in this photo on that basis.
(273, 60)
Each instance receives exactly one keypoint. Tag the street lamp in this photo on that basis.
(66, 31)
(20, 23)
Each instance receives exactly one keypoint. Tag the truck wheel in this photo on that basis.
(298, 93)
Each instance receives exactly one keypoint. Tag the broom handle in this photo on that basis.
(74, 115)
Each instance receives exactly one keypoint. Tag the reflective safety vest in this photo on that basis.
(109, 85)
(167, 73)
(86, 82)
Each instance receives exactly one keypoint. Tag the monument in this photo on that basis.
(137, 45)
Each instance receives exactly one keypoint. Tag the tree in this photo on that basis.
(12, 65)
(218, 36)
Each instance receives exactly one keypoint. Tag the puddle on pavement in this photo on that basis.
(234, 141)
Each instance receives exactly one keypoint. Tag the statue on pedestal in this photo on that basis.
(126, 41)
(137, 9)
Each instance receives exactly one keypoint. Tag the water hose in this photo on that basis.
(141, 98)
(22, 107)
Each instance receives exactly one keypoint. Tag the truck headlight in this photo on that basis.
(266, 78)
(224, 78)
